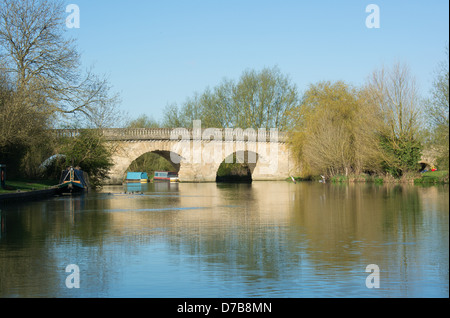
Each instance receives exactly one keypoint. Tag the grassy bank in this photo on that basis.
(431, 177)
(27, 185)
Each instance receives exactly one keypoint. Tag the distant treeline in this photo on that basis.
(380, 128)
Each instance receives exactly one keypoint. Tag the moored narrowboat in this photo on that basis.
(165, 176)
(72, 180)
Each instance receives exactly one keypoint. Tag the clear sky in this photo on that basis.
(160, 52)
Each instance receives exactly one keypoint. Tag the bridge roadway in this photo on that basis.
(197, 153)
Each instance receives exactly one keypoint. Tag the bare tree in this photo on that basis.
(42, 62)
(31, 36)
(437, 114)
(44, 80)
(395, 93)
(438, 108)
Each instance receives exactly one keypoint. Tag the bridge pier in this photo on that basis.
(196, 172)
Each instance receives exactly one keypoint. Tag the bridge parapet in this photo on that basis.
(224, 134)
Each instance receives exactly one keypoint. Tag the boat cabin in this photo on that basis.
(140, 177)
(73, 180)
(167, 176)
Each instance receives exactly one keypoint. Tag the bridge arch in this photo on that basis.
(425, 165)
(237, 167)
(149, 164)
(128, 152)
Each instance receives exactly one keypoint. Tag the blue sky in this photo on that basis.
(161, 52)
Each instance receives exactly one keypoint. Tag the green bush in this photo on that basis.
(91, 153)
(405, 154)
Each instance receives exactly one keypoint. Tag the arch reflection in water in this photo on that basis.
(267, 239)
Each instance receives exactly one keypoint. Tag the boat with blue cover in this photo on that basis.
(165, 176)
(136, 177)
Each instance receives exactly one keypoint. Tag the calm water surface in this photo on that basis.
(267, 239)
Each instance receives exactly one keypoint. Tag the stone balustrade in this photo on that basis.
(227, 134)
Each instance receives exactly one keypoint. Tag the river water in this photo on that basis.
(265, 239)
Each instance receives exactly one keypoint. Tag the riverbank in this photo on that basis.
(426, 178)
(18, 190)
(28, 195)
(13, 186)
(433, 177)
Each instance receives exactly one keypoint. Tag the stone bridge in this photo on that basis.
(196, 154)
(428, 159)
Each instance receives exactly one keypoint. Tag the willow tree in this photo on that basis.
(334, 131)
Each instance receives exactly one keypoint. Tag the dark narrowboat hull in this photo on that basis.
(71, 187)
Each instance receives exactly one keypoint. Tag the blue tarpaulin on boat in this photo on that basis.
(137, 175)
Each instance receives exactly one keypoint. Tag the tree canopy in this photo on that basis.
(334, 130)
(259, 99)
